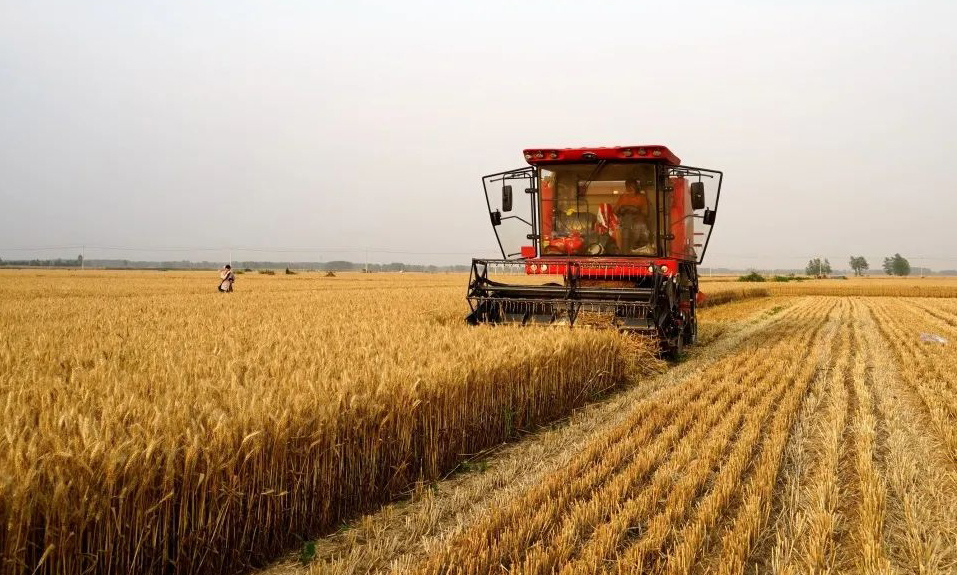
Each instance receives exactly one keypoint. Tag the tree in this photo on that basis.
(816, 267)
(79, 260)
(897, 265)
(859, 264)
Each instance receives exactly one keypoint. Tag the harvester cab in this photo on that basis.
(608, 236)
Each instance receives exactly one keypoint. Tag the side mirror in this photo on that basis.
(496, 218)
(506, 198)
(708, 218)
(697, 195)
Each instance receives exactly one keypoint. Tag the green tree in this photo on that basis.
(818, 268)
(859, 265)
(896, 265)
(901, 265)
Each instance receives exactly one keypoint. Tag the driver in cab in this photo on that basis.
(632, 209)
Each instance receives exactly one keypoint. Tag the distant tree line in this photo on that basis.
(333, 266)
(48, 263)
(896, 265)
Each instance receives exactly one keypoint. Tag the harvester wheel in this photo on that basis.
(674, 351)
(690, 334)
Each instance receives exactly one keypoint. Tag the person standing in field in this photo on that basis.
(226, 277)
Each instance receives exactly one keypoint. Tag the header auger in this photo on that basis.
(615, 233)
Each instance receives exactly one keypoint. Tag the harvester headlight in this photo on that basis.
(534, 267)
(626, 153)
(651, 269)
(656, 153)
(664, 269)
(553, 155)
(543, 268)
(539, 155)
(642, 151)
(528, 155)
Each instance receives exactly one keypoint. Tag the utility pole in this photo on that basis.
(82, 258)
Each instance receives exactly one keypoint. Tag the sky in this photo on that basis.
(352, 130)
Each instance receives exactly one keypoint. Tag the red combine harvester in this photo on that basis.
(616, 233)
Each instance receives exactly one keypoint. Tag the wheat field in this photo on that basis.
(150, 423)
(153, 425)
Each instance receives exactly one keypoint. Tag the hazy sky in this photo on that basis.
(333, 128)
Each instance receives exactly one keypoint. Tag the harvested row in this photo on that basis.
(735, 538)
(606, 505)
(868, 491)
(889, 501)
(920, 528)
(681, 492)
(127, 449)
(928, 369)
(804, 538)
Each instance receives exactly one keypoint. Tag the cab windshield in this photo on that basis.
(598, 209)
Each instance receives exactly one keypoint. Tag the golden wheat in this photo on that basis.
(150, 423)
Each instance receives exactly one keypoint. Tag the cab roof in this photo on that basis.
(654, 153)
